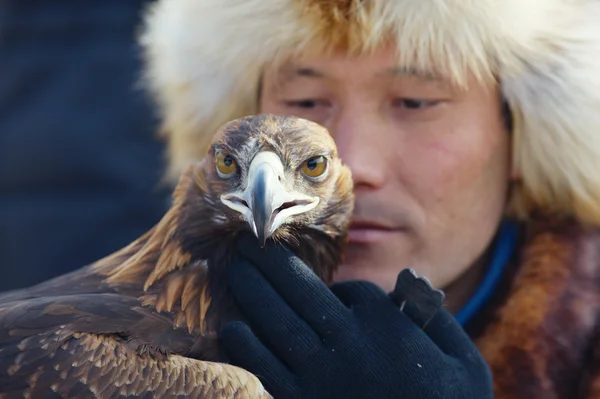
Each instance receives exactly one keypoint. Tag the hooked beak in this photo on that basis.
(265, 202)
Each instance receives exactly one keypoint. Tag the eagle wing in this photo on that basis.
(133, 324)
(74, 346)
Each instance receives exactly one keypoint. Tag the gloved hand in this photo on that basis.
(351, 340)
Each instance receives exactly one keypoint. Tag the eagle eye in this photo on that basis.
(314, 167)
(226, 165)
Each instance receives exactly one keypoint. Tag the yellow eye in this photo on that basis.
(315, 166)
(226, 165)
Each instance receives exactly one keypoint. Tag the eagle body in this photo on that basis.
(143, 321)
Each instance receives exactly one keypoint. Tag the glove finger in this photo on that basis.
(445, 331)
(424, 300)
(274, 322)
(246, 351)
(352, 293)
(297, 284)
(423, 304)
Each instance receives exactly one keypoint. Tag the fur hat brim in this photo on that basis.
(204, 59)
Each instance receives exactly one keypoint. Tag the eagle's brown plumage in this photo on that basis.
(142, 322)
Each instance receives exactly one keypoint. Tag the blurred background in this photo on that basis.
(80, 161)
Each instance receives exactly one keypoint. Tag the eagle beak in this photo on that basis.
(265, 202)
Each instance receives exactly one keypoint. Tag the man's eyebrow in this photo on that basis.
(290, 72)
(396, 71)
(412, 72)
(308, 72)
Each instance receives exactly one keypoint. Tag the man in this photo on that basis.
(471, 129)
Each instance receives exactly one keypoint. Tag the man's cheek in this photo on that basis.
(435, 166)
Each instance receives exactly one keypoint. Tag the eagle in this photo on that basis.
(144, 321)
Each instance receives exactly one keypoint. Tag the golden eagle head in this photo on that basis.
(279, 176)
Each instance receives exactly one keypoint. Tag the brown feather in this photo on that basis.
(106, 368)
(143, 320)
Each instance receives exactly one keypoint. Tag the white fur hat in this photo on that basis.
(204, 59)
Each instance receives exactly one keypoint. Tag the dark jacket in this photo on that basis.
(79, 157)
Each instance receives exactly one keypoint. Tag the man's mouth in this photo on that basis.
(367, 232)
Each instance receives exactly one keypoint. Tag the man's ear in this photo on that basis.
(515, 173)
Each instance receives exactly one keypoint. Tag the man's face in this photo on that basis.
(430, 162)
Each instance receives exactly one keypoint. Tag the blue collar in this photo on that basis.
(505, 245)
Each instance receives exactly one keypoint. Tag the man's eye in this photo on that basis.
(411, 103)
(302, 103)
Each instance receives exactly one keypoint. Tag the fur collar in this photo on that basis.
(539, 330)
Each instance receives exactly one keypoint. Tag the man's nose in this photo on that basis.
(364, 148)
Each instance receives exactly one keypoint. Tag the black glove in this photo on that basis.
(351, 340)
